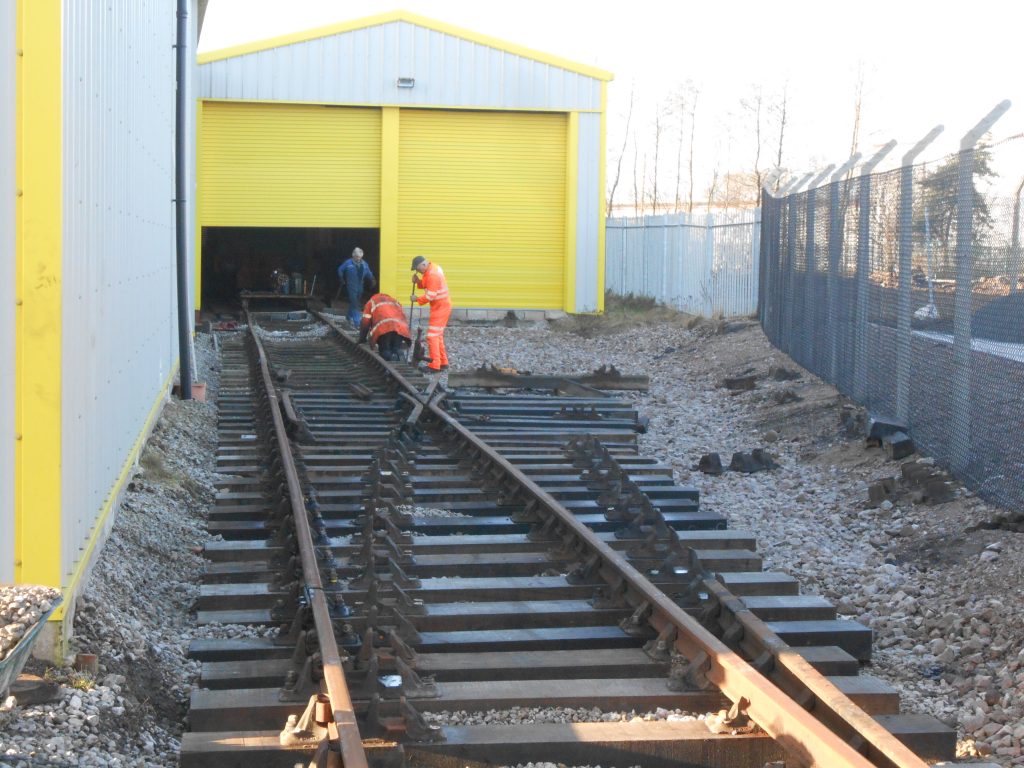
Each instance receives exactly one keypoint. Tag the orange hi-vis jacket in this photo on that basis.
(435, 291)
(383, 314)
(435, 287)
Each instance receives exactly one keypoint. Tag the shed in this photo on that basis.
(402, 135)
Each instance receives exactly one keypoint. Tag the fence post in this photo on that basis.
(810, 289)
(767, 298)
(664, 289)
(755, 262)
(860, 366)
(790, 300)
(765, 250)
(835, 252)
(961, 424)
(709, 263)
(903, 315)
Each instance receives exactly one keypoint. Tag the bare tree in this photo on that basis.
(858, 101)
(625, 142)
(643, 186)
(678, 103)
(781, 109)
(712, 189)
(637, 202)
(658, 130)
(693, 128)
(754, 106)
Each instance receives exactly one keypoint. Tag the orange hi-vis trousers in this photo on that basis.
(435, 291)
(440, 311)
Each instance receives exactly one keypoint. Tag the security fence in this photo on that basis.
(702, 264)
(904, 290)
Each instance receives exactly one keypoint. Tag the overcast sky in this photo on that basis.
(923, 63)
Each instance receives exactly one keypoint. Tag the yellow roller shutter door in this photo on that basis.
(483, 194)
(285, 165)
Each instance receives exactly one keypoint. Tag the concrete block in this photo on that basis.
(937, 491)
(881, 490)
(879, 427)
(898, 445)
(710, 464)
(739, 383)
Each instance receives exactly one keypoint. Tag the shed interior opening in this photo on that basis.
(235, 259)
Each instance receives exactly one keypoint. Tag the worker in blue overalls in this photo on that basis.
(354, 274)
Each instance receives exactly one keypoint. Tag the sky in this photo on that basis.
(922, 64)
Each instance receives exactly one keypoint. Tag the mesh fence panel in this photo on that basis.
(903, 289)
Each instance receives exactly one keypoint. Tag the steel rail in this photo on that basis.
(794, 671)
(349, 739)
(807, 739)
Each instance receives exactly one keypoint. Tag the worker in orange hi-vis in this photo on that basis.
(384, 323)
(430, 278)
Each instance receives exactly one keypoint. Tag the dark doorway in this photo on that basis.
(244, 258)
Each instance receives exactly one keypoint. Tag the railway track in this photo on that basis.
(412, 551)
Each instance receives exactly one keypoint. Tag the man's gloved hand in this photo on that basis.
(412, 298)
(415, 277)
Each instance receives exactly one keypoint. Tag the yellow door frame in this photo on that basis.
(389, 159)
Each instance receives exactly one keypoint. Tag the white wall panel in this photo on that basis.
(362, 67)
(704, 264)
(7, 191)
(118, 243)
(588, 211)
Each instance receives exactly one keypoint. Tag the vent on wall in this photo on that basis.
(406, 82)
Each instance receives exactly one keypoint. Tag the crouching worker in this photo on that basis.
(384, 322)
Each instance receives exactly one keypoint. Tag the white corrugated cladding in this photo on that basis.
(361, 67)
(589, 210)
(7, 133)
(119, 333)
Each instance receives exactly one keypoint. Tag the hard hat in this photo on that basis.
(357, 252)
(417, 261)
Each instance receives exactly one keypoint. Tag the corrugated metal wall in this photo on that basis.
(588, 212)
(7, 182)
(702, 264)
(362, 67)
(119, 332)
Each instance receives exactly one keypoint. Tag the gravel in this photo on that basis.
(428, 511)
(21, 607)
(946, 605)
(305, 333)
(532, 715)
(134, 612)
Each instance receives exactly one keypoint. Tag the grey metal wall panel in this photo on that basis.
(7, 188)
(118, 309)
(362, 67)
(588, 212)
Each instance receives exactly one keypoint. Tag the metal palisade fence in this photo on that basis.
(702, 264)
(904, 290)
